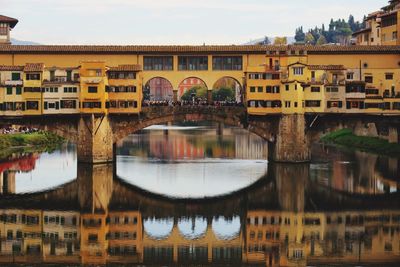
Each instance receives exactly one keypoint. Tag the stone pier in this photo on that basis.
(290, 143)
(95, 139)
(393, 135)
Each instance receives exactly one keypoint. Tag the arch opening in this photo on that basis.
(192, 228)
(192, 88)
(227, 89)
(226, 228)
(158, 89)
(158, 229)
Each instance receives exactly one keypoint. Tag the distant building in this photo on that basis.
(381, 27)
(6, 24)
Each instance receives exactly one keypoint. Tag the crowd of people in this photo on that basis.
(14, 130)
(199, 102)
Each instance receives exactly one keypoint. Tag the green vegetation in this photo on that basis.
(345, 137)
(223, 94)
(339, 31)
(200, 92)
(38, 139)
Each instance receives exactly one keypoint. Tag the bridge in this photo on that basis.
(289, 135)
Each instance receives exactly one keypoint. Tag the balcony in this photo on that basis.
(355, 95)
(13, 83)
(61, 79)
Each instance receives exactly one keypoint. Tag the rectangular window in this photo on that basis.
(298, 70)
(389, 76)
(269, 89)
(259, 89)
(350, 76)
(16, 76)
(18, 90)
(33, 76)
(276, 89)
(9, 90)
(92, 89)
(252, 89)
(122, 75)
(369, 79)
(91, 104)
(389, 20)
(192, 63)
(313, 103)
(287, 104)
(315, 89)
(158, 63)
(68, 104)
(332, 89)
(227, 63)
(32, 105)
(287, 87)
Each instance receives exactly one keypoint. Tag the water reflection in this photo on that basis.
(343, 208)
(101, 219)
(192, 162)
(32, 171)
(355, 171)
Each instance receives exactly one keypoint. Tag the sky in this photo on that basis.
(153, 22)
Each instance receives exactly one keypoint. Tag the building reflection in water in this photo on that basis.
(285, 219)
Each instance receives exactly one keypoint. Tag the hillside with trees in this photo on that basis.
(338, 31)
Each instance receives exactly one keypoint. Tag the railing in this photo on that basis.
(13, 83)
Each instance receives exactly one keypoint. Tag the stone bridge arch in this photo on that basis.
(232, 116)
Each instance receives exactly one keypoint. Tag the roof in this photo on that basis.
(126, 68)
(326, 67)
(186, 49)
(11, 68)
(34, 67)
(9, 20)
(374, 14)
(361, 31)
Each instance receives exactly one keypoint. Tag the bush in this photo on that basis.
(345, 137)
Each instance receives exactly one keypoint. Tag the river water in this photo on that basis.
(200, 194)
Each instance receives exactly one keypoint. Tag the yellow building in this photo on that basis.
(124, 89)
(32, 93)
(263, 87)
(11, 100)
(93, 95)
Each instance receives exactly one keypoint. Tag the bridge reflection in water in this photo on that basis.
(284, 219)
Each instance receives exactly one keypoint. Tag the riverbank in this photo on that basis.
(42, 140)
(345, 137)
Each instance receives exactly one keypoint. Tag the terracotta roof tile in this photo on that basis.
(226, 49)
(11, 68)
(326, 67)
(9, 20)
(126, 68)
(34, 67)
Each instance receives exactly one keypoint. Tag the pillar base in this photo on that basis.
(291, 144)
(95, 140)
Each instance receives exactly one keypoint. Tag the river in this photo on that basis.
(200, 194)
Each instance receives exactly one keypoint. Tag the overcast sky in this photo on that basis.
(172, 21)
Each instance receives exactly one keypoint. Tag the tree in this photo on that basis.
(321, 40)
(309, 38)
(197, 91)
(223, 94)
(266, 41)
(280, 41)
(299, 35)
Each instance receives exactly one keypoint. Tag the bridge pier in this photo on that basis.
(95, 139)
(291, 143)
(393, 135)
